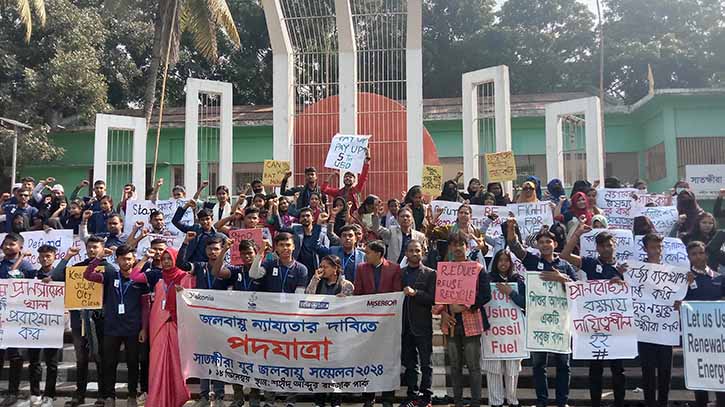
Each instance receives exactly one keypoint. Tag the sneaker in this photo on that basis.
(201, 403)
(131, 402)
(36, 401)
(46, 402)
(110, 402)
(141, 399)
(22, 403)
(409, 402)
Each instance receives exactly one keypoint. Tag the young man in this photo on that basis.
(552, 268)
(21, 208)
(376, 276)
(418, 284)
(305, 191)
(121, 319)
(307, 238)
(398, 236)
(114, 237)
(350, 190)
(250, 220)
(156, 223)
(196, 250)
(92, 202)
(467, 324)
(602, 267)
(347, 250)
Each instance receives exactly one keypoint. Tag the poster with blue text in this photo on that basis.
(703, 344)
(31, 314)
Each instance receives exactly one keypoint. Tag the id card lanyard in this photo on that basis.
(122, 289)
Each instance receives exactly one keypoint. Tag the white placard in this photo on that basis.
(140, 210)
(479, 214)
(662, 217)
(674, 252)
(347, 153)
(506, 339)
(547, 315)
(531, 217)
(619, 206)
(703, 344)
(623, 251)
(705, 181)
(61, 239)
(31, 313)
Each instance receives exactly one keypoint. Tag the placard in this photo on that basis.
(623, 251)
(663, 217)
(456, 282)
(705, 181)
(619, 206)
(432, 181)
(292, 343)
(244, 234)
(531, 217)
(479, 215)
(703, 344)
(81, 293)
(548, 323)
(657, 199)
(674, 252)
(347, 153)
(602, 320)
(274, 171)
(506, 339)
(61, 239)
(32, 314)
(140, 210)
(501, 166)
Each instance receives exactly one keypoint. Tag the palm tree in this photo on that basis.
(202, 19)
(25, 10)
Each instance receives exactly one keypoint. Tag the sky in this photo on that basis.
(592, 4)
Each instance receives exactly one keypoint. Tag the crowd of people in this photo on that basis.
(330, 240)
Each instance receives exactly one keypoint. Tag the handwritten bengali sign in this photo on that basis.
(292, 342)
(479, 215)
(674, 252)
(501, 166)
(602, 320)
(653, 199)
(61, 239)
(432, 180)
(456, 282)
(347, 153)
(274, 171)
(623, 251)
(531, 217)
(619, 206)
(547, 315)
(705, 181)
(662, 217)
(140, 210)
(703, 344)
(244, 234)
(81, 293)
(506, 339)
(31, 312)
(655, 288)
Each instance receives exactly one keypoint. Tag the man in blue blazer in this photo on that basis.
(347, 251)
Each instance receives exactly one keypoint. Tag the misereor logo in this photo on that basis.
(382, 303)
(314, 304)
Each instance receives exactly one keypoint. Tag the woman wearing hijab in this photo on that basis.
(528, 193)
(167, 386)
(537, 184)
(474, 192)
(579, 211)
(450, 192)
(497, 190)
(600, 222)
(689, 211)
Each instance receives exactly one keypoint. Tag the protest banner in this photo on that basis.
(618, 205)
(347, 153)
(705, 181)
(274, 171)
(456, 282)
(139, 210)
(602, 318)
(623, 251)
(292, 342)
(531, 217)
(662, 217)
(507, 337)
(501, 166)
(656, 199)
(171, 241)
(31, 312)
(703, 344)
(479, 214)
(674, 252)
(61, 239)
(432, 180)
(81, 293)
(655, 288)
(244, 234)
(547, 315)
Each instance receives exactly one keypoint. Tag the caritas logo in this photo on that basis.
(382, 303)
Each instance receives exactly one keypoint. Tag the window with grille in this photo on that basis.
(656, 168)
(699, 150)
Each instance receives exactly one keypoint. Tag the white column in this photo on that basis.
(347, 67)
(191, 138)
(414, 92)
(137, 125)
(594, 142)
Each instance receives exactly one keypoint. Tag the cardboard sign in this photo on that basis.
(432, 180)
(501, 166)
(456, 282)
(706, 181)
(347, 153)
(81, 293)
(244, 234)
(531, 217)
(274, 171)
(507, 337)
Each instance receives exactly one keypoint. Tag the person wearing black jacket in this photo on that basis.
(418, 284)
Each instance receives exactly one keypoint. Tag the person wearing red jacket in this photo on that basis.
(350, 189)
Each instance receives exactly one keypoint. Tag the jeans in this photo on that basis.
(218, 388)
(80, 344)
(36, 371)
(111, 349)
(465, 349)
(16, 367)
(563, 375)
(596, 369)
(414, 348)
(656, 361)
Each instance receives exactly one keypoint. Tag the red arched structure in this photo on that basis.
(382, 118)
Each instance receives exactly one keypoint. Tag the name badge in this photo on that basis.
(275, 272)
(540, 266)
(116, 283)
(239, 277)
(121, 309)
(163, 304)
(599, 268)
(693, 285)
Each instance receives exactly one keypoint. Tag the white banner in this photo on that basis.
(674, 252)
(656, 323)
(347, 153)
(618, 206)
(507, 337)
(31, 312)
(479, 213)
(140, 210)
(657, 199)
(703, 344)
(624, 250)
(662, 217)
(706, 181)
(61, 239)
(547, 315)
(531, 217)
(602, 319)
(291, 342)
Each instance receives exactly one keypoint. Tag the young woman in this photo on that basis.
(592, 197)
(341, 213)
(316, 205)
(502, 376)
(450, 192)
(329, 279)
(364, 216)
(476, 248)
(528, 193)
(222, 208)
(474, 192)
(689, 211)
(97, 223)
(497, 190)
(599, 222)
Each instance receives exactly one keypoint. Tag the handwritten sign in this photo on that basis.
(623, 251)
(432, 180)
(547, 315)
(655, 199)
(244, 234)
(703, 324)
(32, 314)
(347, 153)
(295, 343)
(81, 293)
(479, 214)
(706, 181)
(274, 171)
(674, 252)
(531, 217)
(618, 205)
(140, 210)
(61, 239)
(456, 282)
(501, 166)
(662, 217)
(507, 337)
(602, 319)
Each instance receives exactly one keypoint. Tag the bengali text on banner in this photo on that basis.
(31, 312)
(547, 315)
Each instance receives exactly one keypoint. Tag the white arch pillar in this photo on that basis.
(414, 91)
(105, 122)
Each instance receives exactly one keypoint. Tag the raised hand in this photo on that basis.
(189, 237)
(87, 215)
